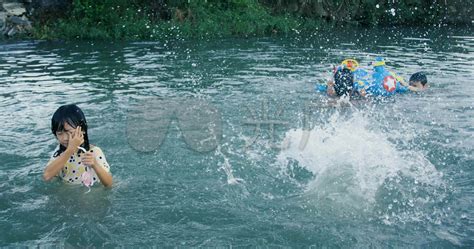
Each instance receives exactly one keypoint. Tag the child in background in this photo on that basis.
(350, 80)
(342, 83)
(387, 83)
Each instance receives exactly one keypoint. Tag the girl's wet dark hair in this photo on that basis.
(72, 115)
(343, 81)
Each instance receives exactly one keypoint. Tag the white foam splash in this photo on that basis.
(351, 158)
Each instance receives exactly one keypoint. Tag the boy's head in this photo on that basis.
(419, 80)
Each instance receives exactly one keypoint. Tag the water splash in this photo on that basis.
(350, 159)
(226, 166)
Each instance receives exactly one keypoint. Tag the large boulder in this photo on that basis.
(15, 25)
(15, 8)
(13, 18)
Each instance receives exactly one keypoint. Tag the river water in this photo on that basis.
(206, 143)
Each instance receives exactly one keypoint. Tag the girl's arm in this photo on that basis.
(53, 168)
(90, 159)
(104, 176)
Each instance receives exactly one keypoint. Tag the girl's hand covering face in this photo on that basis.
(76, 139)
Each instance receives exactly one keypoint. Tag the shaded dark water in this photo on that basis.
(392, 173)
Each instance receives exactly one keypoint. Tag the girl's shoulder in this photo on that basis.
(99, 156)
(97, 149)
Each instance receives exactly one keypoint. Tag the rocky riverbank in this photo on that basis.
(17, 16)
(13, 18)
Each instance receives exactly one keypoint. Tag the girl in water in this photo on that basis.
(75, 161)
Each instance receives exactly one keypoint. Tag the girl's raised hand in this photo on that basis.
(76, 139)
(89, 159)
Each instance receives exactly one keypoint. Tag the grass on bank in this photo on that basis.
(148, 20)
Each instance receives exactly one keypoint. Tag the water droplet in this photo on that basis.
(392, 10)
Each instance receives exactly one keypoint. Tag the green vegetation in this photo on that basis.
(161, 19)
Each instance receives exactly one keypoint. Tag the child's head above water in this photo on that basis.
(419, 80)
(63, 123)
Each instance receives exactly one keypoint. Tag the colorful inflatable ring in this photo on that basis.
(350, 64)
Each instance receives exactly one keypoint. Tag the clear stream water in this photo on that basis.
(177, 122)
